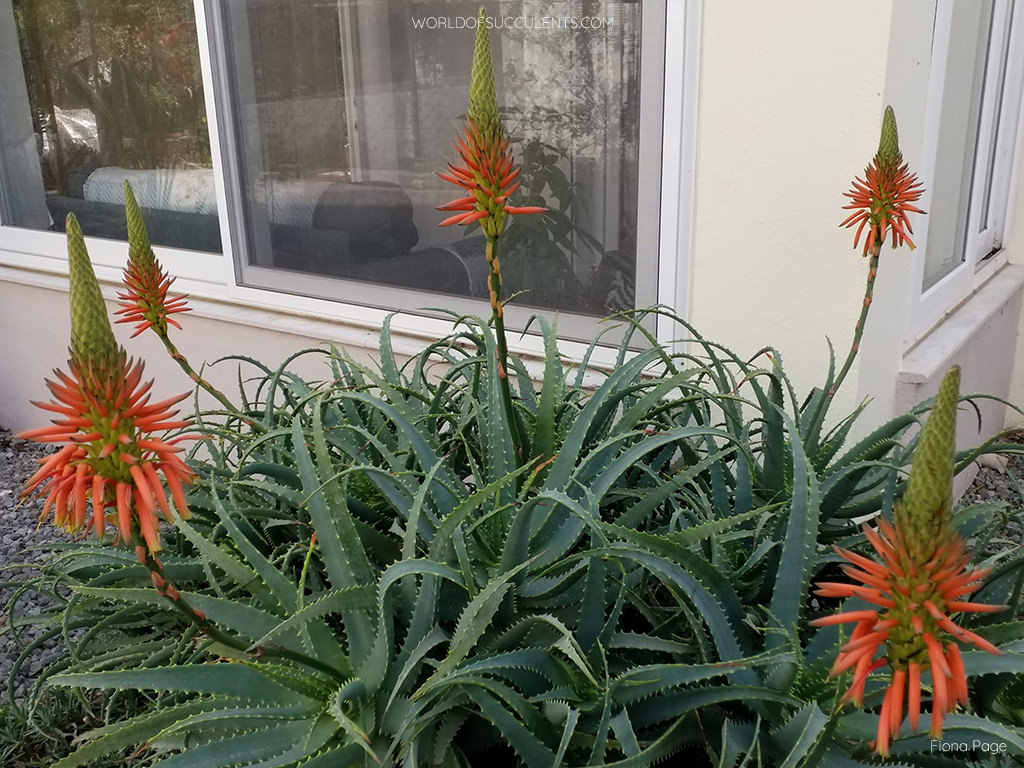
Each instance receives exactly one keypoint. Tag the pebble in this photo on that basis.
(19, 520)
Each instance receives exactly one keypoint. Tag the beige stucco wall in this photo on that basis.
(1015, 234)
(36, 328)
(791, 99)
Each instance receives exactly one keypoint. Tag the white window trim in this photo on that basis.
(37, 257)
(931, 306)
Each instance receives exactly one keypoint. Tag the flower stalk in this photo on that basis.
(146, 300)
(198, 619)
(881, 203)
(488, 177)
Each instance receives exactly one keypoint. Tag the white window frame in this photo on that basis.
(213, 279)
(983, 254)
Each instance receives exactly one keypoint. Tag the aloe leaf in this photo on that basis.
(598, 408)
(338, 555)
(963, 728)
(332, 757)
(592, 613)
(773, 439)
(876, 444)
(834, 440)
(271, 747)
(798, 545)
(418, 444)
(401, 570)
(410, 538)
(977, 663)
(499, 447)
(226, 715)
(599, 481)
(534, 753)
(228, 613)
(222, 679)
(532, 664)
(410, 660)
(361, 570)
(568, 730)
(652, 680)
(799, 735)
(671, 705)
(624, 733)
(283, 590)
(241, 573)
(473, 622)
(335, 601)
(706, 588)
(387, 354)
(122, 735)
(551, 393)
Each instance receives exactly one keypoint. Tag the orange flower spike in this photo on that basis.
(487, 168)
(882, 199)
(959, 674)
(145, 302)
(914, 694)
(921, 577)
(899, 678)
(111, 458)
(885, 724)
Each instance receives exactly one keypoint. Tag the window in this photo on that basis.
(333, 118)
(977, 80)
(337, 150)
(107, 91)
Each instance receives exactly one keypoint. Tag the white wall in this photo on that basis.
(791, 102)
(36, 327)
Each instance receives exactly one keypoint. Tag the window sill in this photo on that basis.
(930, 357)
(310, 320)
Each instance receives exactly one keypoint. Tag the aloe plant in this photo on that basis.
(632, 592)
(445, 562)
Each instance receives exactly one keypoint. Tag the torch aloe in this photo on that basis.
(489, 175)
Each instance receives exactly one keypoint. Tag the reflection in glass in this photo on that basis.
(958, 140)
(110, 90)
(346, 109)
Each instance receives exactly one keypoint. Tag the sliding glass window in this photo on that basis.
(343, 111)
(95, 92)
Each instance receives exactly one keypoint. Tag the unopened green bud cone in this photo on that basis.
(927, 503)
(92, 339)
(889, 143)
(483, 95)
(138, 237)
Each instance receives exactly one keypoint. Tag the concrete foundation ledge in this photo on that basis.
(981, 337)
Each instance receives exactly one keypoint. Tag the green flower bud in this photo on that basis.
(92, 340)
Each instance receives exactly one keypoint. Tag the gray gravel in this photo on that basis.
(20, 533)
(1007, 486)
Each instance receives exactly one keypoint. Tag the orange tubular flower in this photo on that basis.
(487, 172)
(919, 581)
(113, 456)
(145, 303)
(883, 198)
(489, 175)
